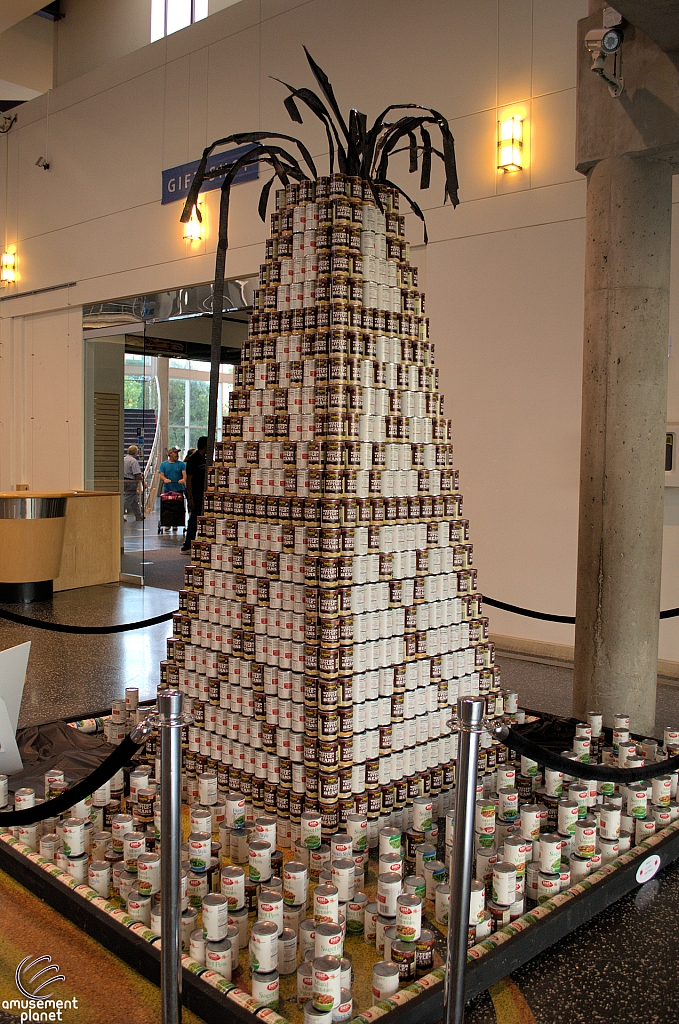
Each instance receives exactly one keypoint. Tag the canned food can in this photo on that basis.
(215, 916)
(567, 817)
(585, 837)
(73, 836)
(549, 884)
(134, 844)
(442, 903)
(422, 813)
(356, 914)
(504, 882)
(196, 945)
(311, 830)
(148, 873)
(329, 940)
(408, 918)
(304, 982)
(388, 890)
(259, 860)
(326, 904)
(264, 947)
(99, 877)
(287, 951)
(233, 886)
(404, 955)
(343, 878)
(200, 850)
(370, 916)
(266, 988)
(314, 1016)
(295, 884)
(219, 957)
(326, 984)
(270, 907)
(343, 1012)
(550, 853)
(235, 810)
(385, 980)
(357, 828)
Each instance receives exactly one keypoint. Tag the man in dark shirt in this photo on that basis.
(195, 490)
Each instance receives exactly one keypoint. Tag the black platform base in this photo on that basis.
(16, 593)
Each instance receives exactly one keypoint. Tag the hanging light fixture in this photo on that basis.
(193, 228)
(8, 267)
(510, 144)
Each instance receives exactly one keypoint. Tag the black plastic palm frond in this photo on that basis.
(361, 151)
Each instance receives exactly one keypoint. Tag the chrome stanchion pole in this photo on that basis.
(170, 722)
(470, 712)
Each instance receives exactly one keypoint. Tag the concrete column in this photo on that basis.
(627, 279)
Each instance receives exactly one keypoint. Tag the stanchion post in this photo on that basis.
(170, 721)
(470, 712)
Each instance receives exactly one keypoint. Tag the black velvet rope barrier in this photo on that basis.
(669, 613)
(62, 627)
(599, 772)
(121, 756)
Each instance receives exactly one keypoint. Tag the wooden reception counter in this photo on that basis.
(57, 541)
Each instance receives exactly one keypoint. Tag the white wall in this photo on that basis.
(504, 272)
(41, 401)
(94, 32)
(26, 56)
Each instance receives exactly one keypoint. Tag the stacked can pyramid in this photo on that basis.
(331, 605)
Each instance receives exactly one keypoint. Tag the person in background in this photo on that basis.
(172, 472)
(132, 479)
(195, 489)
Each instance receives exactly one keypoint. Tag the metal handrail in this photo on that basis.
(153, 461)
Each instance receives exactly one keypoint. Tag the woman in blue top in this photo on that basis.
(173, 472)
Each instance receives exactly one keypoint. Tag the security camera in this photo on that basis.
(601, 43)
(604, 41)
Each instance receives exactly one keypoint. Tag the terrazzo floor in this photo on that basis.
(71, 676)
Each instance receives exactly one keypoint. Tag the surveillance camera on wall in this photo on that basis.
(602, 43)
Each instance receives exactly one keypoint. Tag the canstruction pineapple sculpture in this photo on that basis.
(331, 597)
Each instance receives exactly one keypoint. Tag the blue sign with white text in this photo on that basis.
(177, 180)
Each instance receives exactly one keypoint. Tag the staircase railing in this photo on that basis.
(154, 459)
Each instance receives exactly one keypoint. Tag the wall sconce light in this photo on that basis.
(193, 228)
(510, 144)
(8, 267)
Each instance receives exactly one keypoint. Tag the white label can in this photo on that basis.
(148, 873)
(304, 982)
(219, 957)
(73, 836)
(134, 844)
(295, 884)
(326, 904)
(442, 903)
(326, 987)
(99, 877)
(215, 916)
(567, 817)
(343, 878)
(408, 918)
(259, 857)
(388, 890)
(287, 951)
(504, 883)
(329, 940)
(233, 886)
(270, 907)
(385, 981)
(550, 854)
(264, 947)
(311, 830)
(200, 850)
(235, 810)
(370, 923)
(265, 988)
